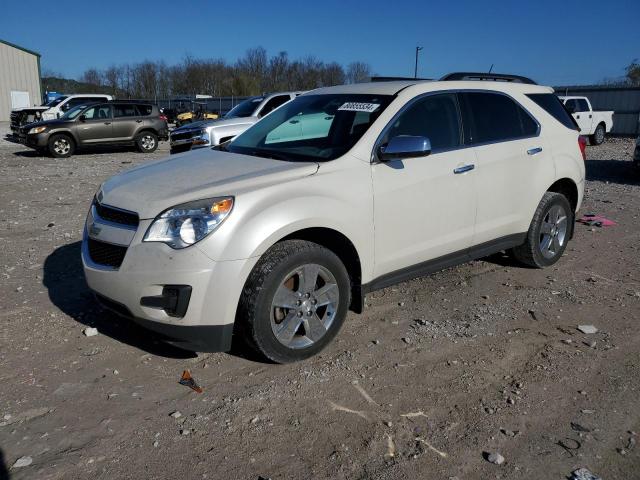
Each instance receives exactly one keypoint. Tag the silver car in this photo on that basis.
(208, 133)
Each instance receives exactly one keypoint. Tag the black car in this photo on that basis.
(109, 123)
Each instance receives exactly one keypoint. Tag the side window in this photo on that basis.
(99, 112)
(144, 110)
(582, 106)
(435, 117)
(274, 103)
(74, 102)
(124, 110)
(493, 117)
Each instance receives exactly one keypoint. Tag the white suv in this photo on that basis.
(344, 190)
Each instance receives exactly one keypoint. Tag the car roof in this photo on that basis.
(394, 87)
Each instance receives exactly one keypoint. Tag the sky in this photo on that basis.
(554, 42)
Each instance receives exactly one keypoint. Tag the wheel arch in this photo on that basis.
(568, 188)
(346, 251)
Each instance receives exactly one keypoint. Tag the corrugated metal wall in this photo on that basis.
(19, 71)
(624, 101)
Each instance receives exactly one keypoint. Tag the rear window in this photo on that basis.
(554, 107)
(145, 110)
(494, 117)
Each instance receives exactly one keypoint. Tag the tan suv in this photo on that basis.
(92, 124)
(274, 236)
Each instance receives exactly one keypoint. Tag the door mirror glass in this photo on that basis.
(405, 146)
(83, 118)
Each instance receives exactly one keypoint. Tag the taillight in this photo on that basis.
(163, 117)
(582, 143)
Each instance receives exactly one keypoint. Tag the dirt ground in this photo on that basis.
(434, 376)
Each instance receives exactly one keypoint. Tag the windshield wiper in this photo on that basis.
(269, 154)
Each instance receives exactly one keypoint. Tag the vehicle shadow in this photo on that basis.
(4, 472)
(103, 150)
(622, 172)
(64, 280)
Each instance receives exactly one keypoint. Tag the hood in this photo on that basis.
(193, 126)
(227, 122)
(30, 109)
(46, 123)
(204, 173)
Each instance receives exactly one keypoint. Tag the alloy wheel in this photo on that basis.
(61, 146)
(304, 306)
(148, 142)
(553, 232)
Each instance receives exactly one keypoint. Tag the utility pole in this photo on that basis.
(415, 72)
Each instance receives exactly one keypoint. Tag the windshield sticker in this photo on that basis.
(359, 107)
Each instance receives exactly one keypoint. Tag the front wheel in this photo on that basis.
(147, 142)
(548, 233)
(598, 136)
(61, 146)
(295, 301)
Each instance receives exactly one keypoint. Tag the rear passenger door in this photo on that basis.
(512, 163)
(126, 121)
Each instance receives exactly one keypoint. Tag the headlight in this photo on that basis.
(186, 224)
(37, 130)
(202, 138)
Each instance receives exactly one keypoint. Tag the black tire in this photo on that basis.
(533, 252)
(61, 145)
(256, 312)
(147, 142)
(598, 135)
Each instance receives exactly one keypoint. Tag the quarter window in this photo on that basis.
(435, 117)
(494, 117)
(554, 107)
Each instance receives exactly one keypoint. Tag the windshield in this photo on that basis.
(74, 112)
(312, 127)
(56, 101)
(244, 109)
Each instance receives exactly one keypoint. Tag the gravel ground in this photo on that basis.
(436, 376)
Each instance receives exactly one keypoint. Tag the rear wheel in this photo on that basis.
(294, 301)
(147, 142)
(598, 136)
(548, 233)
(61, 146)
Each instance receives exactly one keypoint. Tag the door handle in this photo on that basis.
(533, 151)
(464, 168)
(590, 116)
(577, 116)
(107, 123)
(294, 121)
(138, 121)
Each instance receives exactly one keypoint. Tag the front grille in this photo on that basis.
(184, 135)
(116, 216)
(106, 253)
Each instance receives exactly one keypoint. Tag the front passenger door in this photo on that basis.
(95, 125)
(424, 207)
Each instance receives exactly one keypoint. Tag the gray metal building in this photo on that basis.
(19, 78)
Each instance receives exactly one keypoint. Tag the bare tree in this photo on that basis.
(358, 72)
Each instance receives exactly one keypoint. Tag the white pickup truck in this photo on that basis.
(591, 123)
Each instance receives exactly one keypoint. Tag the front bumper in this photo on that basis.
(37, 140)
(135, 288)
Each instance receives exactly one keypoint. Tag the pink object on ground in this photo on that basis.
(597, 220)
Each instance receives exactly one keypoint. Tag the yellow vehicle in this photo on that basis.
(196, 114)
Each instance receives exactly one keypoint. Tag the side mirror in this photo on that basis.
(405, 146)
(83, 118)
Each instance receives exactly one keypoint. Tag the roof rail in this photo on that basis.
(392, 79)
(500, 77)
